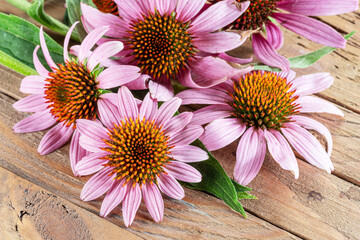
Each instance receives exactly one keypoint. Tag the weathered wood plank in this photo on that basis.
(30, 212)
(197, 215)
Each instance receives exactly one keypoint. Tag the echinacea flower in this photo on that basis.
(258, 17)
(264, 109)
(106, 6)
(171, 39)
(70, 91)
(140, 150)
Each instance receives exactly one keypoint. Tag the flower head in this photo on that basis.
(140, 150)
(107, 6)
(264, 109)
(172, 40)
(70, 91)
(260, 14)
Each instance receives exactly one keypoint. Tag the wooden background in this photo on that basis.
(39, 197)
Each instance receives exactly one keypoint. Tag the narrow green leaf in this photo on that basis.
(36, 11)
(74, 14)
(215, 181)
(240, 188)
(16, 65)
(18, 38)
(245, 195)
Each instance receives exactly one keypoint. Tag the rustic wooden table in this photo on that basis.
(39, 196)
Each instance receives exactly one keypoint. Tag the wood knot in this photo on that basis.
(315, 196)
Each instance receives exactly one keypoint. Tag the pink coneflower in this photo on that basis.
(263, 108)
(70, 91)
(170, 39)
(144, 149)
(258, 17)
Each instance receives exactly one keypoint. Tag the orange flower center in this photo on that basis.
(106, 6)
(137, 150)
(263, 100)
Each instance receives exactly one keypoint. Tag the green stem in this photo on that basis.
(21, 4)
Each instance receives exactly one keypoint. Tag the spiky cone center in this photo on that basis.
(162, 45)
(72, 93)
(255, 16)
(137, 150)
(107, 6)
(263, 100)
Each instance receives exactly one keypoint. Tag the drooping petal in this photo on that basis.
(167, 111)
(229, 58)
(31, 103)
(102, 52)
(153, 201)
(131, 204)
(203, 96)
(108, 113)
(38, 65)
(307, 146)
(127, 104)
(117, 76)
(267, 53)
(140, 83)
(311, 29)
(222, 132)
(33, 84)
(250, 155)
(76, 152)
(183, 172)
(35, 122)
(90, 164)
(318, 8)
(186, 136)
(45, 49)
(210, 113)
(312, 124)
(113, 197)
(314, 104)
(67, 39)
(311, 83)
(274, 35)
(97, 185)
(281, 151)
(170, 186)
(189, 154)
(55, 138)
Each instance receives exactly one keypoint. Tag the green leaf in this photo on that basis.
(16, 65)
(18, 38)
(74, 14)
(215, 181)
(36, 11)
(306, 60)
(309, 59)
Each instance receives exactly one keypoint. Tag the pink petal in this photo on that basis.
(102, 52)
(203, 96)
(35, 122)
(45, 49)
(140, 83)
(92, 145)
(92, 129)
(33, 84)
(76, 152)
(318, 8)
(148, 108)
(217, 42)
(170, 186)
(186, 136)
(311, 83)
(311, 29)
(274, 36)
(67, 39)
(127, 104)
(131, 204)
(189, 154)
(210, 113)
(229, 58)
(108, 113)
(177, 123)
(314, 104)
(113, 197)
(97, 185)
(31, 103)
(311, 124)
(153, 201)
(183, 172)
(91, 163)
(55, 138)
(307, 146)
(217, 16)
(222, 132)
(250, 155)
(38, 65)
(281, 151)
(264, 51)
(161, 91)
(167, 111)
(187, 9)
(117, 76)
(130, 10)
